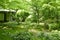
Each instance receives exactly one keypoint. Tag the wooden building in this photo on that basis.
(5, 15)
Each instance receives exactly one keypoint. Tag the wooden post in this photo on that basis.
(5, 17)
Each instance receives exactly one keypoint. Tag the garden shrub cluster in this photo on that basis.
(53, 35)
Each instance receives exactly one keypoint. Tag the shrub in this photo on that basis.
(23, 36)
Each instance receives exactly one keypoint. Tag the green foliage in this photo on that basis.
(23, 36)
(35, 14)
(4, 35)
(21, 16)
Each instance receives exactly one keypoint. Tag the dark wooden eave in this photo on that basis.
(5, 10)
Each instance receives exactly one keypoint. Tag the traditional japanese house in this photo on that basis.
(5, 15)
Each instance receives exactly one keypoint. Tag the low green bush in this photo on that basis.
(22, 36)
(54, 35)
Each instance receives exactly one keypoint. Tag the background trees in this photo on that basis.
(37, 11)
